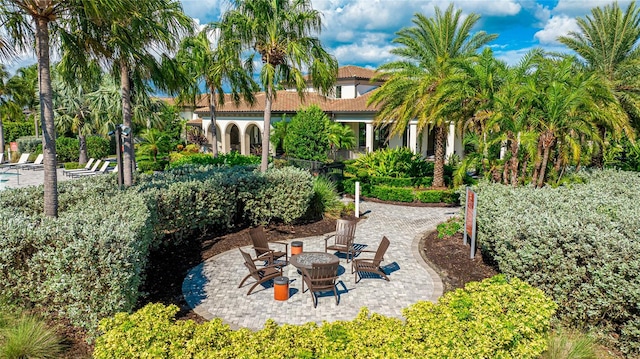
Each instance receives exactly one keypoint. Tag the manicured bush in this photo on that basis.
(202, 159)
(392, 193)
(284, 196)
(578, 243)
(429, 196)
(306, 136)
(99, 147)
(14, 130)
(67, 149)
(151, 166)
(29, 144)
(495, 318)
(401, 182)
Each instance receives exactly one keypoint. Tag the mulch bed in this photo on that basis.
(168, 266)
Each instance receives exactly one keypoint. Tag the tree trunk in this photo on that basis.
(438, 168)
(266, 131)
(515, 149)
(543, 166)
(2, 141)
(214, 128)
(46, 114)
(128, 154)
(505, 172)
(83, 148)
(536, 163)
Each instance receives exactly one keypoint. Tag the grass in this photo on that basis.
(25, 335)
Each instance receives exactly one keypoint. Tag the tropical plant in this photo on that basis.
(153, 142)
(307, 135)
(279, 134)
(340, 136)
(130, 43)
(607, 45)
(31, 21)
(428, 51)
(217, 67)
(281, 33)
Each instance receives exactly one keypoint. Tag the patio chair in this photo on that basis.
(343, 238)
(320, 278)
(72, 173)
(23, 159)
(102, 170)
(359, 265)
(261, 246)
(262, 275)
(37, 164)
(87, 167)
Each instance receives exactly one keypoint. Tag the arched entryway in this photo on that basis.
(233, 138)
(253, 140)
(210, 137)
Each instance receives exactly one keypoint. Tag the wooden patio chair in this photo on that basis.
(343, 238)
(359, 265)
(320, 278)
(261, 246)
(262, 275)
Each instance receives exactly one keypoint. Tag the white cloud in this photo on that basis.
(363, 53)
(555, 27)
(205, 9)
(490, 8)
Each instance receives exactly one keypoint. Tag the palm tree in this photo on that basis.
(153, 142)
(607, 43)
(428, 51)
(281, 33)
(25, 19)
(130, 44)
(217, 67)
(340, 137)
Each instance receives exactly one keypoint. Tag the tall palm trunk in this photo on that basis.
(548, 140)
(266, 132)
(214, 127)
(46, 113)
(2, 140)
(128, 155)
(515, 149)
(438, 168)
(82, 159)
(537, 162)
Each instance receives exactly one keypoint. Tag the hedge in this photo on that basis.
(495, 318)
(402, 194)
(580, 244)
(89, 262)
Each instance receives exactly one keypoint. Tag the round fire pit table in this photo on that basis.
(305, 259)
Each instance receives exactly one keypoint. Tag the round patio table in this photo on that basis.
(305, 259)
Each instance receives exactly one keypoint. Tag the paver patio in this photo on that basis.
(211, 288)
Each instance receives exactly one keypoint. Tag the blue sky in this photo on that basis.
(360, 32)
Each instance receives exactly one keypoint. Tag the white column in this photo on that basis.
(369, 129)
(413, 138)
(451, 141)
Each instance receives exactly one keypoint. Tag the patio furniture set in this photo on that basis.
(319, 270)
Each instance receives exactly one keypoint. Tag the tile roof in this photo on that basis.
(349, 72)
(290, 102)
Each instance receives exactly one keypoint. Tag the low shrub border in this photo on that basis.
(402, 194)
(494, 318)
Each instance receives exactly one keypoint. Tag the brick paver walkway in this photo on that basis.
(211, 288)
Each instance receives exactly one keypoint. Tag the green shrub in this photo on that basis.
(324, 199)
(67, 149)
(452, 226)
(306, 136)
(401, 182)
(284, 196)
(202, 159)
(151, 166)
(392, 193)
(72, 165)
(577, 243)
(98, 147)
(490, 319)
(398, 162)
(29, 144)
(429, 196)
(14, 130)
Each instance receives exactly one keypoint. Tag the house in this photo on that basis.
(239, 127)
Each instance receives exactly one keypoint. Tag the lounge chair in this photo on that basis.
(343, 238)
(23, 159)
(37, 164)
(359, 265)
(261, 246)
(262, 275)
(102, 170)
(93, 168)
(87, 167)
(320, 278)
